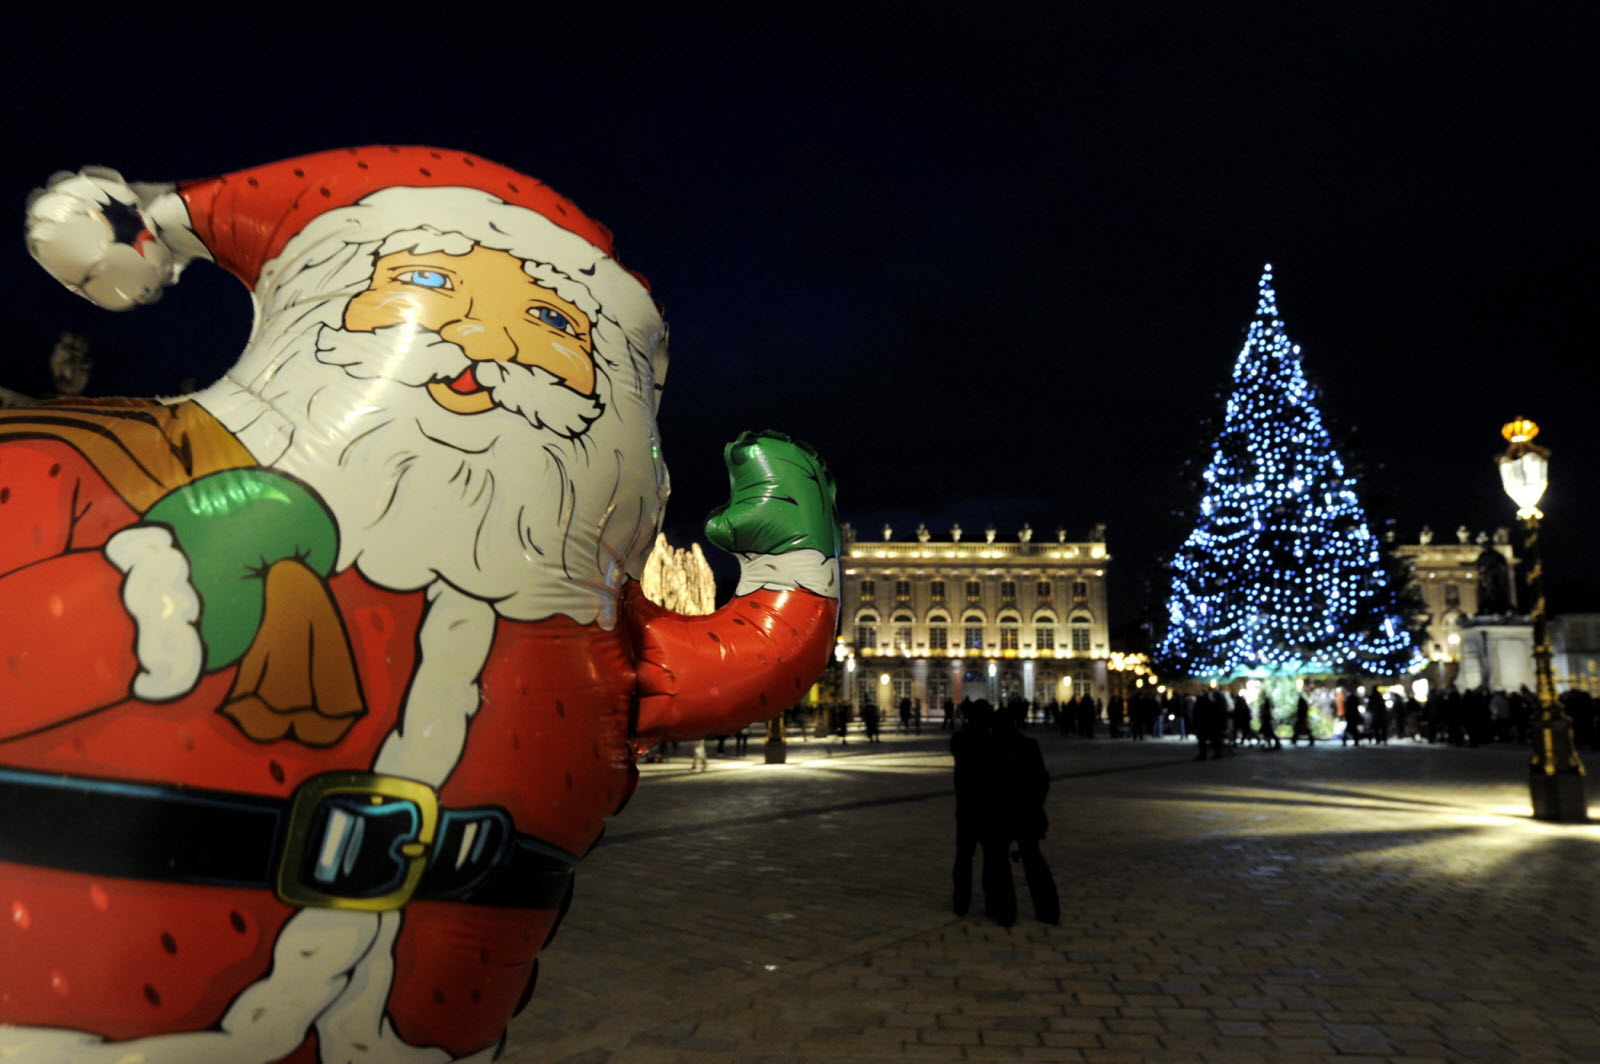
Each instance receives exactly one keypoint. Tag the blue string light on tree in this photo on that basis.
(1282, 575)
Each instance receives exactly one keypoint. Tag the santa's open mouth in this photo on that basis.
(466, 383)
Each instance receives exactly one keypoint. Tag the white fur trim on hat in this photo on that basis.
(165, 608)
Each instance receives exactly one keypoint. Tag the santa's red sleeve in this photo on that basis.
(66, 641)
(717, 673)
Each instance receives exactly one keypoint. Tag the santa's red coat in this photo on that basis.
(561, 704)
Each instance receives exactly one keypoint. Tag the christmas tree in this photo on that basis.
(1282, 575)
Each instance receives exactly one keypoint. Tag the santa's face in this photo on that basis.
(485, 303)
(477, 410)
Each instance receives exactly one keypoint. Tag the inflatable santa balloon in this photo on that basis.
(316, 685)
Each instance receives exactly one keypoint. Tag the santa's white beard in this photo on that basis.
(535, 505)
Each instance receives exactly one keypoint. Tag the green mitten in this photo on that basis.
(232, 526)
(780, 499)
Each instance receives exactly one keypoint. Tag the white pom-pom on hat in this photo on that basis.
(97, 234)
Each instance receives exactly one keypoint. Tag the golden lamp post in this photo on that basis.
(1555, 774)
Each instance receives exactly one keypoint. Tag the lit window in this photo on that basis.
(902, 591)
(1008, 591)
(1080, 591)
(974, 640)
(974, 591)
(868, 590)
(936, 592)
(1044, 637)
(1008, 636)
(1043, 592)
(1079, 628)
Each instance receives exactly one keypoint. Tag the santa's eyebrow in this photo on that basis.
(401, 267)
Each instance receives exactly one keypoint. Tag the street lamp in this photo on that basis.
(1555, 774)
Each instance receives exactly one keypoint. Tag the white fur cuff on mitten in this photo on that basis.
(805, 568)
(165, 609)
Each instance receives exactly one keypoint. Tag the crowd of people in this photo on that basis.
(1220, 720)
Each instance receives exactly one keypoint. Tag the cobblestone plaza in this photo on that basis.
(1373, 904)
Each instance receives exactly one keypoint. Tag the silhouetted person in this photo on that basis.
(1302, 723)
(1453, 713)
(1579, 706)
(1210, 723)
(1024, 782)
(1404, 725)
(979, 817)
(1378, 720)
(1269, 727)
(1239, 718)
(1352, 719)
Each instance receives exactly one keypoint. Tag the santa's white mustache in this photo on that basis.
(416, 357)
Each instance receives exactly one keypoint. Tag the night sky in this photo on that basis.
(996, 266)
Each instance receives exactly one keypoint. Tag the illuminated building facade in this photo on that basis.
(1575, 639)
(946, 617)
(1449, 577)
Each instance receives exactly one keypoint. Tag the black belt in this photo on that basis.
(343, 840)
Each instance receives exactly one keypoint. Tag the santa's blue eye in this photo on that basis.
(553, 318)
(424, 279)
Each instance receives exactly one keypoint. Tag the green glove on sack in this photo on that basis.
(233, 526)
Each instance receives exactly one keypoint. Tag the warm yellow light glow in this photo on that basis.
(1519, 431)
(883, 680)
(1138, 664)
(1524, 468)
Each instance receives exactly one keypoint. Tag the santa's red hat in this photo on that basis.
(119, 244)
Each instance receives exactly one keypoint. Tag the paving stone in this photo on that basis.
(1321, 905)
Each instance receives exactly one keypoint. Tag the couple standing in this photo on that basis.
(1001, 783)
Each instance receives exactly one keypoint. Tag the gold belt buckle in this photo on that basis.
(309, 830)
